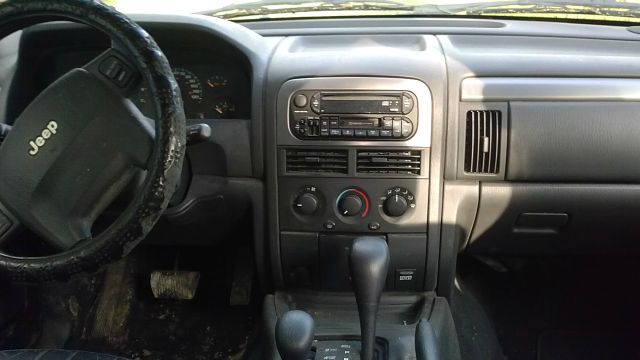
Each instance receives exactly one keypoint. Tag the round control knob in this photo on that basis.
(300, 101)
(306, 204)
(350, 205)
(396, 205)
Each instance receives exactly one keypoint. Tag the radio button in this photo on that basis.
(335, 132)
(407, 103)
(407, 128)
(324, 132)
(373, 133)
(397, 128)
(386, 133)
(387, 123)
(361, 132)
(347, 132)
(334, 123)
(324, 123)
(315, 103)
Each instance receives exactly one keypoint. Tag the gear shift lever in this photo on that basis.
(294, 335)
(368, 262)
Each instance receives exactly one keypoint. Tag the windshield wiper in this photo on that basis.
(275, 7)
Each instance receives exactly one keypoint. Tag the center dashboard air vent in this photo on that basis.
(482, 142)
(317, 161)
(395, 162)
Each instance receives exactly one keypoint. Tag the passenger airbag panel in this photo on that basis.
(574, 142)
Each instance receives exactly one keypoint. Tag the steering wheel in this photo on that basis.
(81, 142)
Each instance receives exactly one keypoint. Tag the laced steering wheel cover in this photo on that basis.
(165, 162)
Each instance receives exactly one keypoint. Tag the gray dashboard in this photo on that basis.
(564, 98)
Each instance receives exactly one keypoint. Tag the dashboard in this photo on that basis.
(519, 135)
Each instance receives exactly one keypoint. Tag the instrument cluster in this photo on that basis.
(211, 91)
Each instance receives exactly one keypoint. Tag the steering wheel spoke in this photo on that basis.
(113, 68)
(8, 224)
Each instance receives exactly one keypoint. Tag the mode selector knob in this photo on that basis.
(307, 204)
(396, 206)
(397, 201)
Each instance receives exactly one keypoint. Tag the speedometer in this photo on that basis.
(190, 86)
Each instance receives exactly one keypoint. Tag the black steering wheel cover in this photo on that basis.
(164, 165)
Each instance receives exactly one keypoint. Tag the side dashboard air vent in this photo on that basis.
(317, 161)
(397, 162)
(482, 142)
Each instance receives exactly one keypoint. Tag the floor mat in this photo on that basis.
(203, 328)
(526, 298)
(558, 345)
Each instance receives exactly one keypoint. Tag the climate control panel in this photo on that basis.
(372, 205)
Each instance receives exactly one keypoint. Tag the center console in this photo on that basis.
(353, 159)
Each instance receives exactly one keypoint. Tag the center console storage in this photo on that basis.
(337, 327)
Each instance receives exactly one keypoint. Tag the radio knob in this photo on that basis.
(306, 204)
(300, 101)
(396, 206)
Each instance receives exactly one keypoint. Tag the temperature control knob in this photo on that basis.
(353, 202)
(395, 206)
(397, 201)
(306, 204)
(350, 205)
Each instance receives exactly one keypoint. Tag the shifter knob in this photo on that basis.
(294, 335)
(368, 262)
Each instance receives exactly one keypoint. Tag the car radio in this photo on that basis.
(343, 115)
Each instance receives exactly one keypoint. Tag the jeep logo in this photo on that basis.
(50, 130)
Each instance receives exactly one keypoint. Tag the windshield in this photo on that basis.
(251, 10)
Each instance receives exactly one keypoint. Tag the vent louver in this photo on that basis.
(482, 142)
(317, 161)
(397, 162)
